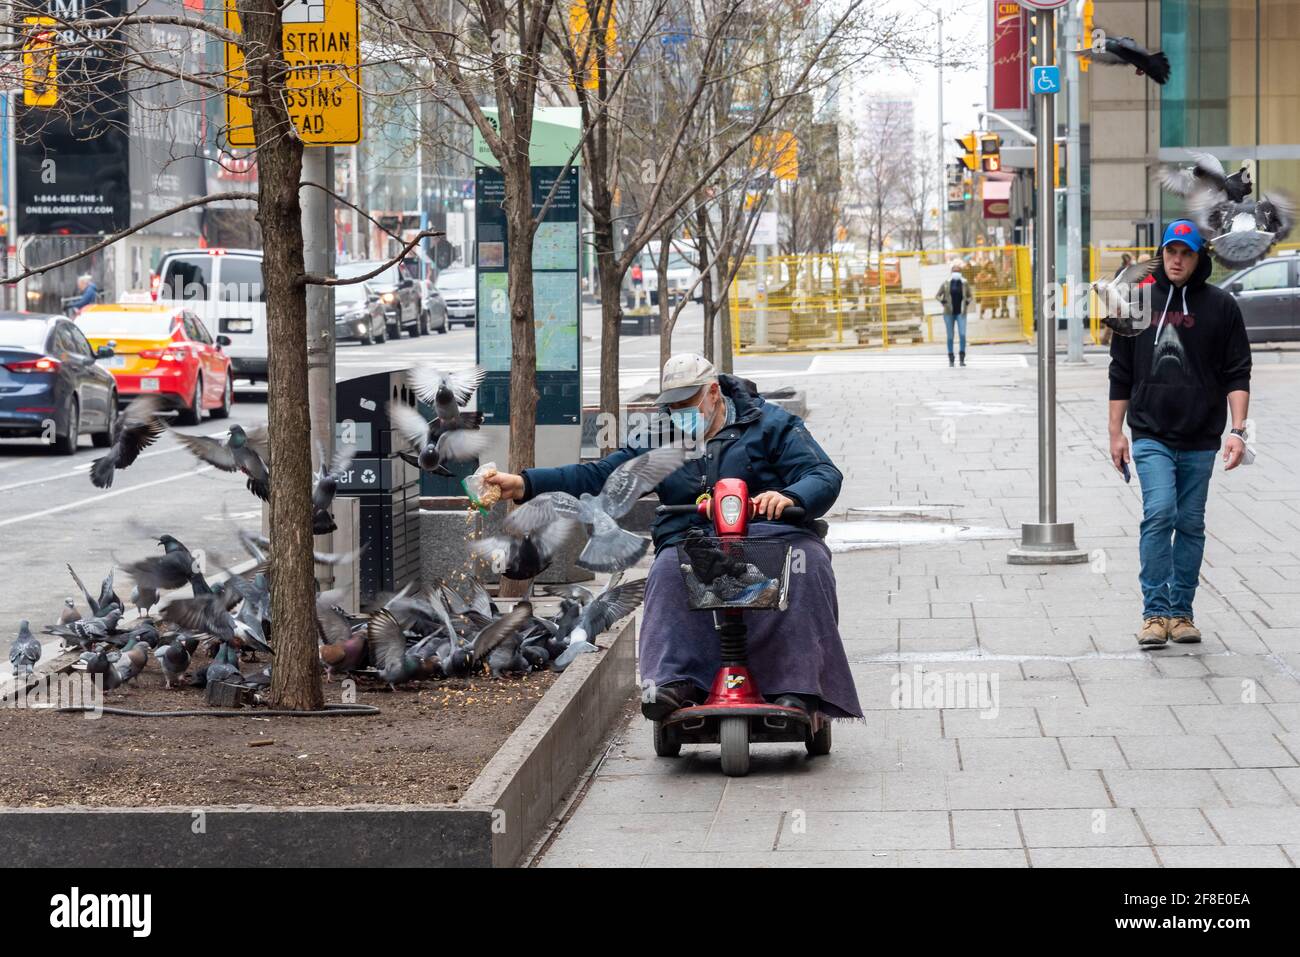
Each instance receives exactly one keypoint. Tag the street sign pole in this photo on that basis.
(318, 256)
(1047, 541)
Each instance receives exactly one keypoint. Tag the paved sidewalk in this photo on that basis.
(1097, 754)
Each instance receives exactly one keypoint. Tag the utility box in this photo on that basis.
(387, 487)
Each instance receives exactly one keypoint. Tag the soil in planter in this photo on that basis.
(428, 744)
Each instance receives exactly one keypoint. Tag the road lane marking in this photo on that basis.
(99, 498)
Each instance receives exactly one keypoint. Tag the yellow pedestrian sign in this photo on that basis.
(322, 45)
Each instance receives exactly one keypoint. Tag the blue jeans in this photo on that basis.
(1175, 485)
(960, 319)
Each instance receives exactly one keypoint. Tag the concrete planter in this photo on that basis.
(502, 814)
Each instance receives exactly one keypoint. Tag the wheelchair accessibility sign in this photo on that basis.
(1045, 80)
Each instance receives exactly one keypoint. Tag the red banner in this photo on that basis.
(1010, 62)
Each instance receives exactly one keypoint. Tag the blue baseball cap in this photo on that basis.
(1183, 231)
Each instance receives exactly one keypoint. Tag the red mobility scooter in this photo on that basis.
(728, 574)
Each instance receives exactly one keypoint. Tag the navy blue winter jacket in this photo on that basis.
(766, 446)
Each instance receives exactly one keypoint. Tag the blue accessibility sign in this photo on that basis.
(1045, 80)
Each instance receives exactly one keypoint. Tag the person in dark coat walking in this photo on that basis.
(956, 296)
(796, 655)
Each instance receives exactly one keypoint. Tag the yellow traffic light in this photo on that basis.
(990, 152)
(1085, 41)
(970, 156)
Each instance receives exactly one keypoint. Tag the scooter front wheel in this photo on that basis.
(668, 743)
(733, 735)
(819, 743)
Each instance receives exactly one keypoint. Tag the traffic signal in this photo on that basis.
(990, 152)
(40, 63)
(969, 157)
(1085, 41)
(968, 187)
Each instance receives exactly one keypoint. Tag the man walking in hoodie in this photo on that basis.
(1177, 381)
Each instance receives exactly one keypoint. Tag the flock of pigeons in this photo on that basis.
(451, 628)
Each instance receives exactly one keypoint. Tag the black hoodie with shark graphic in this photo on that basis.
(1178, 372)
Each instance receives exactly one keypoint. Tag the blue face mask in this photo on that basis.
(690, 421)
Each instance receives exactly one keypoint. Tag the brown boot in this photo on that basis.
(1154, 633)
(1183, 631)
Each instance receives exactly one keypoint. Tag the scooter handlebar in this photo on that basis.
(791, 513)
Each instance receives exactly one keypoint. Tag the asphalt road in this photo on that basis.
(51, 514)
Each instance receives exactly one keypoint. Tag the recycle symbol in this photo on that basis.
(368, 477)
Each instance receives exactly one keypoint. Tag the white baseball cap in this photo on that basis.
(684, 375)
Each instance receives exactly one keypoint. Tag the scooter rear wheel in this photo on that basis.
(819, 743)
(668, 743)
(733, 735)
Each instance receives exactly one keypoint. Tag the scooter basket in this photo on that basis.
(745, 573)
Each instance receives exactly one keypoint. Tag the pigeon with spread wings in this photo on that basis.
(241, 451)
(610, 548)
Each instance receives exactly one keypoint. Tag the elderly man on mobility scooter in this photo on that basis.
(796, 656)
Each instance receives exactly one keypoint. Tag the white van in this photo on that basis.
(224, 286)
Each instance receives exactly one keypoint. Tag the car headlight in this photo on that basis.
(730, 509)
(388, 297)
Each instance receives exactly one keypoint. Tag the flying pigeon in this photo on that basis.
(436, 442)
(175, 568)
(1206, 175)
(525, 556)
(137, 428)
(610, 547)
(326, 486)
(1117, 51)
(1125, 300)
(1241, 234)
(25, 650)
(608, 607)
(387, 645)
(246, 452)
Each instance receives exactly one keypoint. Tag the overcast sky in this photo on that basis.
(965, 33)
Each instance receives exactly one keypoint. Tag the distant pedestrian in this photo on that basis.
(956, 296)
(87, 294)
(1176, 381)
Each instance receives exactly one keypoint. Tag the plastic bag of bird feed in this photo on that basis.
(482, 494)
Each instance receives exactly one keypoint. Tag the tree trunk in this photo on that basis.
(520, 232)
(611, 321)
(706, 280)
(295, 676)
(666, 318)
(724, 314)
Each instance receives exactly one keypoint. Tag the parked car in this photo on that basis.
(1268, 294)
(682, 271)
(398, 293)
(224, 288)
(458, 292)
(50, 383)
(359, 314)
(165, 351)
(435, 308)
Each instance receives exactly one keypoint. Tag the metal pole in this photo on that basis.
(943, 179)
(1047, 541)
(318, 253)
(1074, 188)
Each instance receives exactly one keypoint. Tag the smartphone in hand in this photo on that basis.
(1127, 474)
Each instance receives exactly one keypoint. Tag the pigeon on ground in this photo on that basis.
(137, 428)
(1118, 51)
(247, 452)
(341, 649)
(1206, 177)
(107, 597)
(209, 614)
(1241, 234)
(326, 486)
(25, 650)
(69, 613)
(387, 645)
(609, 606)
(505, 629)
(131, 662)
(1126, 299)
(86, 632)
(610, 548)
(174, 657)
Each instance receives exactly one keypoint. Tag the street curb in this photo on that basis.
(501, 815)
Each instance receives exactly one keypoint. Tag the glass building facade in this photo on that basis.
(1238, 95)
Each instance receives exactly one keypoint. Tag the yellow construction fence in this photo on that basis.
(827, 301)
